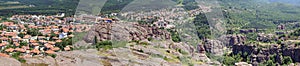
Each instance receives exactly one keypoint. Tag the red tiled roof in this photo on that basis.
(35, 44)
(7, 23)
(16, 44)
(32, 41)
(65, 30)
(35, 51)
(4, 55)
(2, 44)
(67, 48)
(55, 49)
(20, 50)
(51, 42)
(9, 50)
(26, 36)
(48, 45)
(49, 52)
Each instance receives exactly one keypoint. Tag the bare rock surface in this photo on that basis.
(215, 47)
(9, 62)
(176, 54)
(125, 31)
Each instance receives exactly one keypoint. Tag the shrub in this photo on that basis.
(287, 60)
(53, 55)
(104, 44)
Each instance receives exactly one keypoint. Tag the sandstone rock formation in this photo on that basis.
(236, 39)
(133, 54)
(125, 31)
(9, 62)
(260, 54)
(215, 47)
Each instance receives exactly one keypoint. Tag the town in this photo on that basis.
(26, 36)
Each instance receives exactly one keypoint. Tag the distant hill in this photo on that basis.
(46, 7)
(295, 2)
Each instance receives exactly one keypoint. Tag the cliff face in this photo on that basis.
(261, 54)
(236, 39)
(125, 31)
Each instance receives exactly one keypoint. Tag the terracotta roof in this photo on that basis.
(7, 23)
(49, 52)
(9, 50)
(22, 26)
(35, 51)
(20, 50)
(55, 49)
(16, 44)
(25, 47)
(65, 30)
(26, 36)
(43, 41)
(35, 44)
(2, 44)
(48, 45)
(32, 41)
(4, 55)
(67, 48)
(32, 26)
(56, 32)
(10, 34)
(58, 41)
(51, 42)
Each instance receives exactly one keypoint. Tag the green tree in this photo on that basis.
(23, 43)
(21, 35)
(287, 60)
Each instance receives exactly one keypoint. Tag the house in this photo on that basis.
(4, 39)
(49, 52)
(4, 55)
(67, 48)
(35, 51)
(10, 50)
(26, 38)
(55, 49)
(16, 43)
(63, 35)
(20, 50)
(7, 23)
(16, 39)
(2, 45)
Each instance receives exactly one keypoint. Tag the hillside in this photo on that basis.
(259, 32)
(45, 7)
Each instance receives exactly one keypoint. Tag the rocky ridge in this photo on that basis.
(125, 31)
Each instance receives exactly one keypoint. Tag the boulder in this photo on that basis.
(4, 61)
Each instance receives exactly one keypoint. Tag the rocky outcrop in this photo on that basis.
(265, 37)
(163, 53)
(236, 39)
(242, 64)
(260, 53)
(215, 47)
(49, 61)
(125, 31)
(4, 61)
